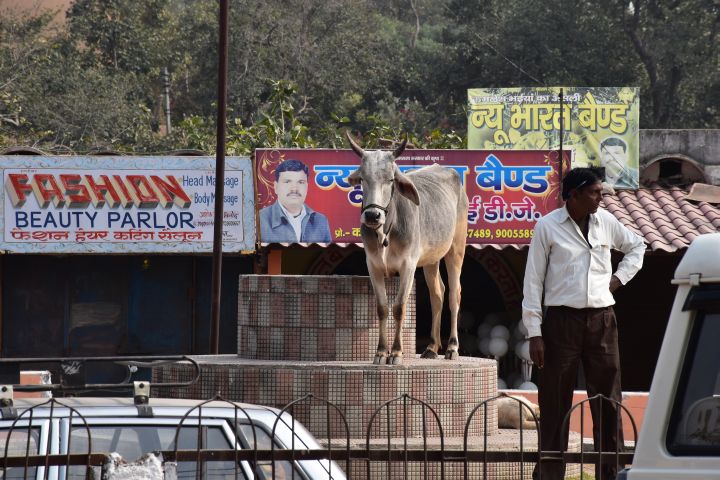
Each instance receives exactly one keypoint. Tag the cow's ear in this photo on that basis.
(406, 188)
(354, 178)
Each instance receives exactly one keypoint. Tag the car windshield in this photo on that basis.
(694, 428)
(133, 441)
(18, 443)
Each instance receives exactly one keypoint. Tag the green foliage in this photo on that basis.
(128, 36)
(302, 72)
(676, 42)
(21, 47)
(279, 126)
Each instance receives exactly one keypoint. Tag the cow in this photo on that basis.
(407, 221)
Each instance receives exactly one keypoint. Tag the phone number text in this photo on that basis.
(499, 233)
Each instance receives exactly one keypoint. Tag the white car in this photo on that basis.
(680, 436)
(42, 426)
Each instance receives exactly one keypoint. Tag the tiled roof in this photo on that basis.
(663, 217)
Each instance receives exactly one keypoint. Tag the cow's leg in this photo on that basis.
(406, 279)
(453, 264)
(437, 292)
(377, 278)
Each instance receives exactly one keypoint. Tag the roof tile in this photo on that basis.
(663, 217)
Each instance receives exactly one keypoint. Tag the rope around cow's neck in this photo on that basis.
(388, 221)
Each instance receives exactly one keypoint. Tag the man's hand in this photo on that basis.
(615, 283)
(537, 351)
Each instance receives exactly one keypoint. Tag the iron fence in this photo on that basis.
(396, 455)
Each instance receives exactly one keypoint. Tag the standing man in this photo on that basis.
(569, 276)
(289, 220)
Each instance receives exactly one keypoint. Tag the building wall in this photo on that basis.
(702, 146)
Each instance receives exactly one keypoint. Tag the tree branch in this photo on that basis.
(676, 75)
(413, 41)
(631, 29)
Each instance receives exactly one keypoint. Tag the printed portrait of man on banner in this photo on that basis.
(599, 125)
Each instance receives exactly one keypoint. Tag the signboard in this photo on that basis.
(508, 192)
(601, 125)
(123, 204)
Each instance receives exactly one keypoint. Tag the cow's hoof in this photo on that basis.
(380, 359)
(451, 355)
(395, 360)
(429, 354)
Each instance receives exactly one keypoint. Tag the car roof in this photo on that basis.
(126, 407)
(700, 260)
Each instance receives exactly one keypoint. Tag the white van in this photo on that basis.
(680, 437)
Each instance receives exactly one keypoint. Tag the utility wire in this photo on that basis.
(494, 49)
(518, 67)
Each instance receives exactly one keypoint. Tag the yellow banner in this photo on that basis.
(600, 125)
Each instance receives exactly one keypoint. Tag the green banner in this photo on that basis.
(600, 125)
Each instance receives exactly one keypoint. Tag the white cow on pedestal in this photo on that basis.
(408, 221)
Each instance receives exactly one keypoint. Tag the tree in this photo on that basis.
(23, 43)
(127, 36)
(677, 43)
(536, 43)
(302, 70)
(81, 107)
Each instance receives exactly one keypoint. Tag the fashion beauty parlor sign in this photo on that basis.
(508, 191)
(600, 125)
(123, 204)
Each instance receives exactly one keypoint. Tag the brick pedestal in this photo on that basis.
(315, 318)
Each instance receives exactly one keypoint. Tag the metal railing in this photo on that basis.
(396, 455)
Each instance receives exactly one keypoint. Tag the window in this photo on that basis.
(264, 470)
(133, 441)
(20, 445)
(694, 428)
(670, 169)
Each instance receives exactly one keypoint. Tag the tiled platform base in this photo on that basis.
(300, 335)
(451, 388)
(315, 318)
(503, 439)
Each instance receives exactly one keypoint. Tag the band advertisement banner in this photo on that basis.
(303, 195)
(600, 125)
(123, 205)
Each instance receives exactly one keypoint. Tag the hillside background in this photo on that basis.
(86, 74)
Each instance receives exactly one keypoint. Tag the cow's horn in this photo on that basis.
(401, 148)
(356, 148)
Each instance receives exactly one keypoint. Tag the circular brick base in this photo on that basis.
(451, 388)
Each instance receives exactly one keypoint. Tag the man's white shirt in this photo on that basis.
(564, 269)
(295, 221)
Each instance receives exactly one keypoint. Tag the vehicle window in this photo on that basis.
(133, 441)
(19, 441)
(264, 470)
(18, 446)
(694, 428)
